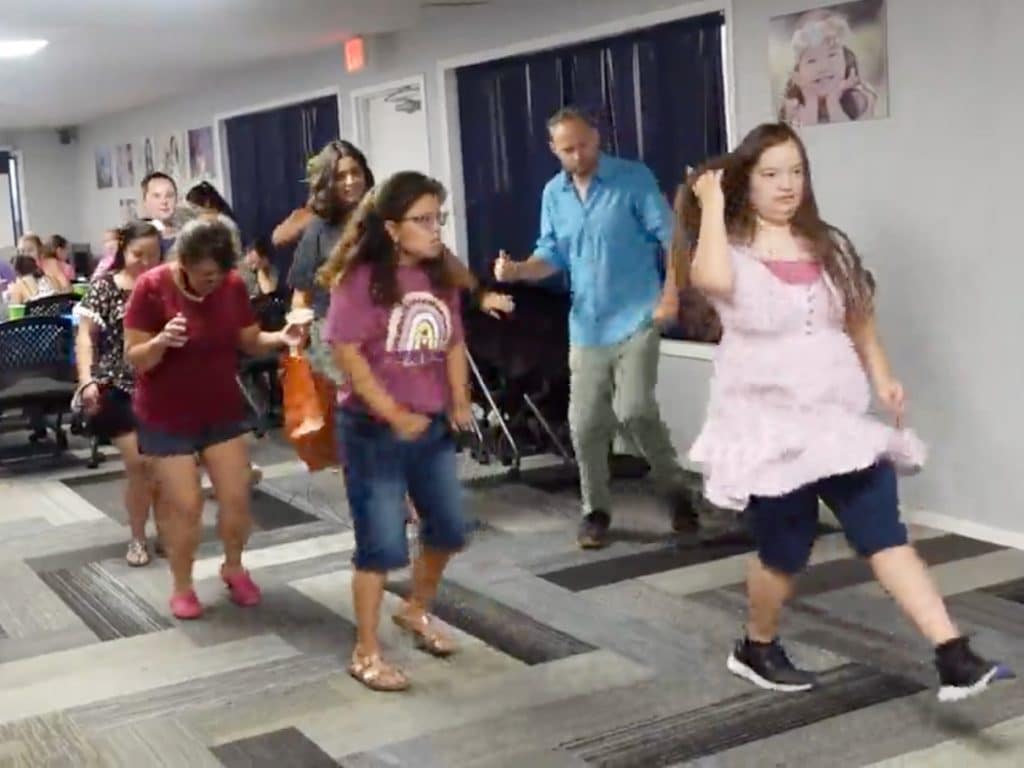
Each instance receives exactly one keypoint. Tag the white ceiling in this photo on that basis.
(109, 55)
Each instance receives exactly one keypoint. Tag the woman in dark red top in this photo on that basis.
(185, 325)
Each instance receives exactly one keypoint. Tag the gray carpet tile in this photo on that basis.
(105, 605)
(194, 697)
(53, 741)
(510, 631)
(106, 493)
(688, 551)
(286, 748)
(302, 623)
(163, 744)
(1009, 590)
(743, 719)
(568, 658)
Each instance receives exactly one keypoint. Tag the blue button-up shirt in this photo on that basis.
(611, 245)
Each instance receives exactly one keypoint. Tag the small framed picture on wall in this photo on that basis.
(830, 64)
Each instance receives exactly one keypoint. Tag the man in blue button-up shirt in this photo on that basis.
(605, 222)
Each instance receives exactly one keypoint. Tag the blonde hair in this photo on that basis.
(818, 28)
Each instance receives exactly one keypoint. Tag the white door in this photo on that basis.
(392, 128)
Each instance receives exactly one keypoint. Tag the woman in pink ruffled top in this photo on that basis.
(788, 421)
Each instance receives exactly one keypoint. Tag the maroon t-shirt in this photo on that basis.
(195, 387)
(405, 345)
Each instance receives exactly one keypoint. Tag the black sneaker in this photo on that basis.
(593, 532)
(962, 673)
(767, 666)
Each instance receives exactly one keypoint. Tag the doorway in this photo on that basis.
(391, 126)
(12, 225)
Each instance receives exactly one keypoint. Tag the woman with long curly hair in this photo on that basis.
(787, 423)
(395, 330)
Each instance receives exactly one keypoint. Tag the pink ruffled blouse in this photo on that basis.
(789, 397)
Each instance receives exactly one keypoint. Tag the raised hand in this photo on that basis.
(504, 268)
(708, 188)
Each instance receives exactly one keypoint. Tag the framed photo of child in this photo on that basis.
(830, 64)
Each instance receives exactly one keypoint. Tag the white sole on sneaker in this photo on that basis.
(740, 669)
(951, 693)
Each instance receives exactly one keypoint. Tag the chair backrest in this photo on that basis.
(271, 311)
(35, 347)
(56, 305)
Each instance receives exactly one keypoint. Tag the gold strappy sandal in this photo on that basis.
(428, 638)
(376, 674)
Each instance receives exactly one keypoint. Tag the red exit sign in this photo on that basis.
(355, 54)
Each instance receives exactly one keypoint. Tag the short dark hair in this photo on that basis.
(208, 237)
(150, 177)
(58, 241)
(571, 112)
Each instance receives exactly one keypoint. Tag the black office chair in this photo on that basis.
(57, 305)
(257, 376)
(36, 373)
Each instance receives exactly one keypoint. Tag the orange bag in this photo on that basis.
(308, 412)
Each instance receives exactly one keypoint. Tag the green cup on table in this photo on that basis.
(15, 311)
(80, 289)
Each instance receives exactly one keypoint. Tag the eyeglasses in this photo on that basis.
(429, 220)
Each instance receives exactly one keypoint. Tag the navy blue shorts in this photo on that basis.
(160, 444)
(380, 469)
(866, 504)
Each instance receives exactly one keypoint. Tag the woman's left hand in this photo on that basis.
(497, 304)
(461, 415)
(893, 398)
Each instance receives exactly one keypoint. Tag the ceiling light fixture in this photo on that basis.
(19, 49)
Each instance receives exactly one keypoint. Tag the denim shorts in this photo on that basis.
(865, 503)
(380, 469)
(161, 444)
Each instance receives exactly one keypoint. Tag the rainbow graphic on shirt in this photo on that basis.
(419, 328)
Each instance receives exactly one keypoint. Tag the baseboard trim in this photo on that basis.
(968, 528)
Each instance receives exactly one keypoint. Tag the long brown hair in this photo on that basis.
(323, 189)
(366, 239)
(829, 245)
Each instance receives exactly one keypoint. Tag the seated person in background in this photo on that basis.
(109, 253)
(62, 249)
(7, 273)
(29, 284)
(52, 269)
(256, 269)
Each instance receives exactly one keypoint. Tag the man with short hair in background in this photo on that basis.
(159, 203)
